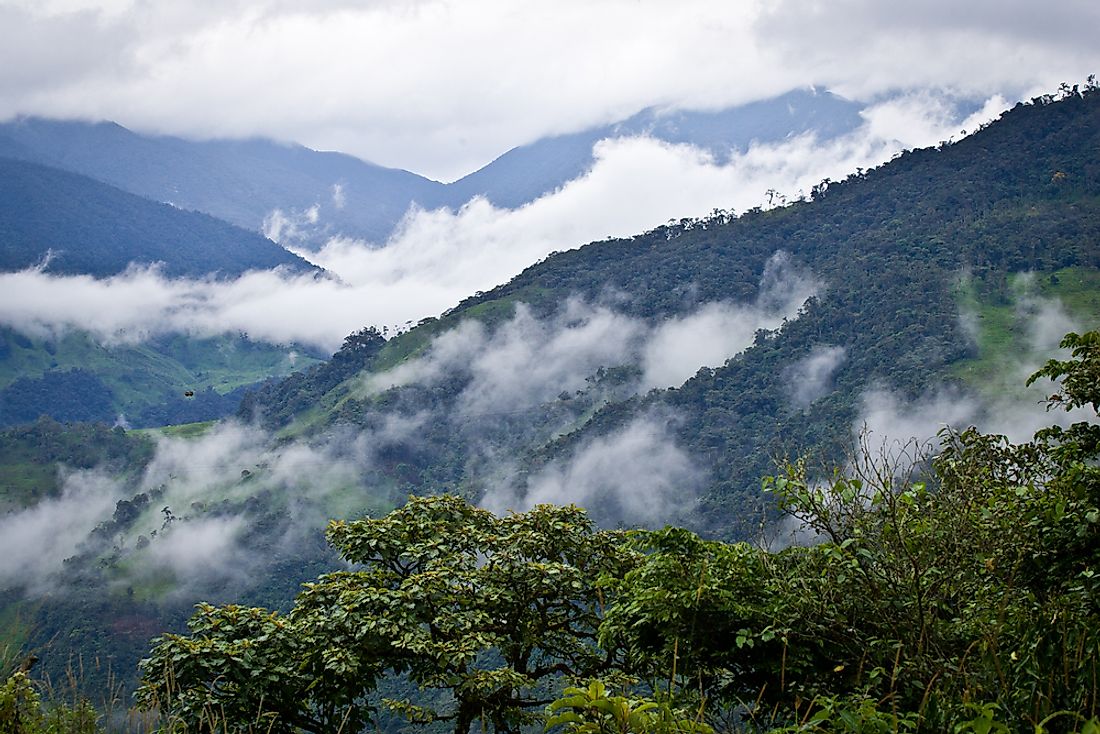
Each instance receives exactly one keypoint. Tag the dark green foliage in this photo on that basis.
(68, 396)
(965, 596)
(22, 712)
(959, 595)
(889, 247)
(488, 610)
(95, 229)
(204, 405)
(275, 403)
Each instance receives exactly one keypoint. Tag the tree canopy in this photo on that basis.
(955, 592)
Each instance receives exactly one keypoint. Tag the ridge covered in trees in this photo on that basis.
(955, 594)
(892, 248)
(86, 227)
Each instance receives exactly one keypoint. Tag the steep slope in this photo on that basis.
(94, 229)
(542, 385)
(245, 182)
(889, 249)
(527, 172)
(75, 378)
(239, 181)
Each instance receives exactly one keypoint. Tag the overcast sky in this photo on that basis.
(442, 87)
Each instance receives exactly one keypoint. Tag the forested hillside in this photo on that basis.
(944, 270)
(167, 379)
(85, 227)
(895, 258)
(958, 595)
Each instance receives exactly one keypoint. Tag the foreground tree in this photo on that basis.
(494, 611)
(958, 592)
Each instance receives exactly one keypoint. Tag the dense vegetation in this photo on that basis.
(894, 249)
(94, 229)
(961, 593)
(75, 377)
(954, 594)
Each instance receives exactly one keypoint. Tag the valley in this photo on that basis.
(657, 380)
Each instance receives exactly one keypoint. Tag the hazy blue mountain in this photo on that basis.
(527, 172)
(244, 181)
(95, 229)
(240, 181)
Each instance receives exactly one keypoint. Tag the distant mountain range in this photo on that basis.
(83, 226)
(245, 181)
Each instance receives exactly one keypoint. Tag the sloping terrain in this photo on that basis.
(74, 377)
(911, 279)
(77, 225)
(244, 182)
(888, 250)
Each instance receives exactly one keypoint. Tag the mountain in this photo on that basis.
(903, 262)
(241, 181)
(75, 377)
(925, 280)
(324, 194)
(87, 227)
(530, 171)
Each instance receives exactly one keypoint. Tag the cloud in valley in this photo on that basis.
(438, 257)
(636, 475)
(527, 360)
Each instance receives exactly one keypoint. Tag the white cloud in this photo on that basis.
(442, 86)
(527, 361)
(718, 331)
(636, 475)
(34, 541)
(810, 378)
(436, 258)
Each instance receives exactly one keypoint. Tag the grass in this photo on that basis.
(148, 373)
(181, 430)
(22, 483)
(1001, 318)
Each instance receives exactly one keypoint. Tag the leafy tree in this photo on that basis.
(21, 711)
(489, 610)
(961, 592)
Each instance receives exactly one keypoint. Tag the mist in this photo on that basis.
(633, 476)
(35, 541)
(436, 258)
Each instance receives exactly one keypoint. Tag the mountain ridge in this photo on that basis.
(82, 226)
(888, 245)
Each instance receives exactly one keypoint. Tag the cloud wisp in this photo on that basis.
(436, 258)
(468, 80)
(634, 476)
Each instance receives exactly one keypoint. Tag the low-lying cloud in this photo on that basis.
(635, 476)
(35, 541)
(197, 509)
(527, 361)
(436, 258)
(811, 376)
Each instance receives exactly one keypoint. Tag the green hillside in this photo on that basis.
(890, 247)
(75, 377)
(91, 228)
(928, 273)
